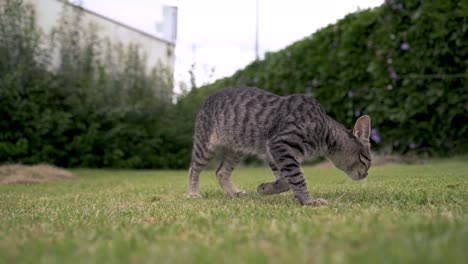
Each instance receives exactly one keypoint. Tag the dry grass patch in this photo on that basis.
(17, 173)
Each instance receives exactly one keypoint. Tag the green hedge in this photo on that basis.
(99, 107)
(404, 63)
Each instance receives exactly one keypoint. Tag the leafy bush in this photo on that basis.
(97, 107)
(404, 63)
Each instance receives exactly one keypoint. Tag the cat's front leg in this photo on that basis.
(275, 187)
(315, 202)
(283, 154)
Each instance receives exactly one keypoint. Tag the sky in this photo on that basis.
(219, 35)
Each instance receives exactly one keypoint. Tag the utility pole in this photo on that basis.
(256, 33)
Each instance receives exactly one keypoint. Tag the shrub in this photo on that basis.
(97, 107)
(404, 63)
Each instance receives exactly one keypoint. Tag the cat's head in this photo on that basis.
(354, 155)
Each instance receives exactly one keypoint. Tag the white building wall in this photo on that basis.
(48, 15)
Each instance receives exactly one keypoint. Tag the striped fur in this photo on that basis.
(281, 130)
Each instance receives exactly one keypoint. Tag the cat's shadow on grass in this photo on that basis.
(334, 198)
(251, 197)
(282, 199)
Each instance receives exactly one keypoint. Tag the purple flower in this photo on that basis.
(350, 94)
(334, 44)
(405, 46)
(399, 6)
(392, 72)
(412, 146)
(357, 113)
(315, 82)
(375, 135)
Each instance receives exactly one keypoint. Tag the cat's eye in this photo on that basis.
(362, 159)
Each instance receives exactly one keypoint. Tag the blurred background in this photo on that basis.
(117, 84)
(221, 37)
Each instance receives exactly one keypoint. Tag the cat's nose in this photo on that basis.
(362, 175)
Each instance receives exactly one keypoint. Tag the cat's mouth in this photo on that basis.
(362, 175)
(359, 176)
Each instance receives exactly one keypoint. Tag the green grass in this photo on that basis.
(400, 214)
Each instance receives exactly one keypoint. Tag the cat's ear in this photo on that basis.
(362, 128)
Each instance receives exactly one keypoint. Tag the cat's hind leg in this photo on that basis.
(275, 187)
(223, 173)
(201, 155)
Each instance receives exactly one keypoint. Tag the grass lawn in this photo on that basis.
(400, 214)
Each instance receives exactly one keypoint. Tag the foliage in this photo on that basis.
(74, 99)
(404, 63)
(94, 104)
(401, 214)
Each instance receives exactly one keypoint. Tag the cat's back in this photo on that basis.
(243, 100)
(237, 102)
(246, 118)
(237, 95)
(240, 116)
(244, 106)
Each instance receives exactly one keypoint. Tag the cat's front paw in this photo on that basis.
(194, 195)
(264, 189)
(269, 188)
(315, 202)
(240, 194)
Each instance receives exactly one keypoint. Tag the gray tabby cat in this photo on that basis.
(281, 130)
